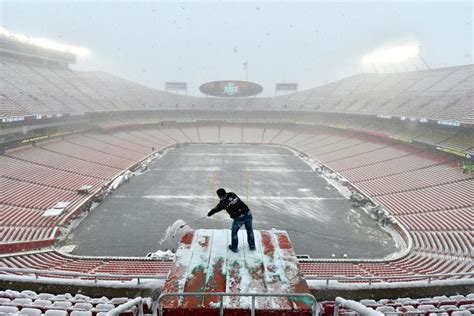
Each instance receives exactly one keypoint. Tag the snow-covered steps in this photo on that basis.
(204, 264)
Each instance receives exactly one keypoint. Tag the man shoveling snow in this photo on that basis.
(239, 212)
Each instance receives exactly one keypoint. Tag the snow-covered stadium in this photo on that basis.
(361, 188)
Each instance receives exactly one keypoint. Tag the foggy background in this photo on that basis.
(310, 43)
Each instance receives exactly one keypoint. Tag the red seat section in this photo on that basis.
(52, 260)
(424, 190)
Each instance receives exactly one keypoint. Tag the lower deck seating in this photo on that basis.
(34, 196)
(454, 305)
(31, 303)
(52, 260)
(424, 190)
(28, 302)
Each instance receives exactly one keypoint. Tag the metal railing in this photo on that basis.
(418, 312)
(221, 295)
(94, 276)
(370, 280)
(355, 306)
(126, 306)
(364, 310)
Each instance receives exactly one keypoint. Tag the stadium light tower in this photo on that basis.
(393, 56)
(46, 43)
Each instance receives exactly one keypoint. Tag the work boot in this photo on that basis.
(232, 249)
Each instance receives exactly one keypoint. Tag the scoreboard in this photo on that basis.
(231, 88)
(286, 87)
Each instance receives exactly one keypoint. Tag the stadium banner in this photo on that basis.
(49, 136)
(449, 123)
(176, 86)
(286, 87)
(402, 139)
(231, 88)
(454, 152)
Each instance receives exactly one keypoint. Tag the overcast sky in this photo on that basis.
(310, 43)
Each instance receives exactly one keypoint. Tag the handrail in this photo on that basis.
(428, 277)
(416, 313)
(356, 306)
(126, 306)
(221, 295)
(97, 276)
(94, 276)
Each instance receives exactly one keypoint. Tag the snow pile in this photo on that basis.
(57, 209)
(171, 240)
(173, 234)
(335, 180)
(332, 178)
(127, 175)
(168, 254)
(67, 248)
(120, 180)
(53, 212)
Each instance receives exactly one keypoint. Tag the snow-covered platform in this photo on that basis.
(204, 264)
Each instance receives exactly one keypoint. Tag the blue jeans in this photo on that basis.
(245, 219)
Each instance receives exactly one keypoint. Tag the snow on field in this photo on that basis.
(275, 183)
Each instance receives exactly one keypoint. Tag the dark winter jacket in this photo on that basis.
(232, 204)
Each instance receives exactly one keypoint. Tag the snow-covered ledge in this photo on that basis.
(428, 280)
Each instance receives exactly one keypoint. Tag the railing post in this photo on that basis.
(336, 309)
(221, 305)
(154, 308)
(429, 280)
(160, 306)
(314, 308)
(140, 309)
(252, 311)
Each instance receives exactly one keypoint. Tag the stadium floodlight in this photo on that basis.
(46, 43)
(392, 55)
